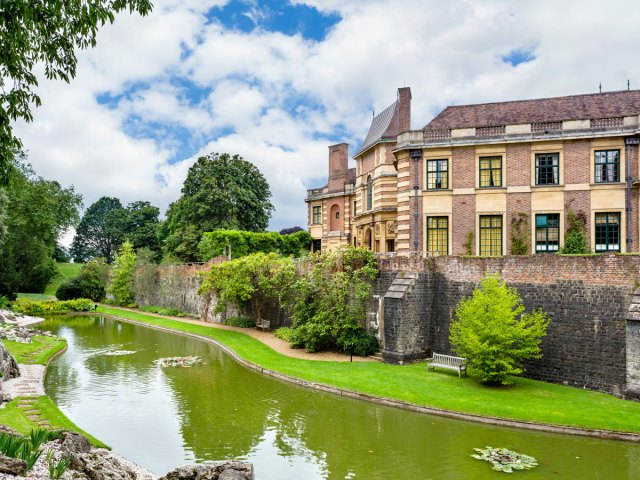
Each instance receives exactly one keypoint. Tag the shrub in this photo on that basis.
(357, 342)
(90, 282)
(284, 333)
(494, 334)
(242, 322)
(520, 234)
(575, 240)
(122, 273)
(171, 312)
(4, 302)
(216, 243)
(52, 307)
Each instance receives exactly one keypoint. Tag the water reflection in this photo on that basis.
(164, 417)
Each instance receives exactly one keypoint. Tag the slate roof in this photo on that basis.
(384, 125)
(574, 107)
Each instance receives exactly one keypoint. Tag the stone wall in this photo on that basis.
(587, 299)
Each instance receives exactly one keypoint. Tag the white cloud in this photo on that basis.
(280, 100)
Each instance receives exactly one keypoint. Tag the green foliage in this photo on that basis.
(170, 312)
(4, 302)
(122, 273)
(327, 302)
(27, 448)
(57, 468)
(495, 335)
(468, 245)
(284, 333)
(66, 271)
(90, 282)
(243, 243)
(520, 234)
(575, 239)
(242, 322)
(37, 213)
(355, 341)
(504, 460)
(44, 34)
(220, 192)
(248, 281)
(50, 307)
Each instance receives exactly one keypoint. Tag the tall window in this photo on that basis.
(490, 172)
(437, 174)
(547, 169)
(547, 232)
(607, 166)
(438, 235)
(369, 193)
(490, 235)
(317, 213)
(607, 232)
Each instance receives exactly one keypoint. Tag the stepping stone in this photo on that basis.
(31, 411)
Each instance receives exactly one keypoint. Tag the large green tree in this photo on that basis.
(44, 33)
(141, 226)
(220, 191)
(37, 212)
(100, 231)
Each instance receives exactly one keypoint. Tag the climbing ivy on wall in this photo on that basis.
(520, 234)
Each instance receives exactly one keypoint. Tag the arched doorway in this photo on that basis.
(368, 238)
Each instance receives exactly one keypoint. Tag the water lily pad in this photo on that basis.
(505, 460)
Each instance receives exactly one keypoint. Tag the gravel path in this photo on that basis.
(30, 383)
(268, 338)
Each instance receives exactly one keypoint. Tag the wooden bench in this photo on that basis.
(263, 324)
(447, 361)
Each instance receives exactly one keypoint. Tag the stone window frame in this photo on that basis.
(490, 169)
(620, 231)
(438, 231)
(369, 193)
(546, 229)
(444, 174)
(547, 148)
(602, 168)
(316, 215)
(555, 169)
(491, 228)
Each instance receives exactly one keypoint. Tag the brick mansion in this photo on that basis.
(488, 179)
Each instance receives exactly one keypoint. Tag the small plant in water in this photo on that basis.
(504, 460)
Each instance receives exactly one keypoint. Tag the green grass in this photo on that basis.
(66, 271)
(36, 296)
(526, 400)
(14, 416)
(39, 351)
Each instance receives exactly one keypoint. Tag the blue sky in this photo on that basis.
(278, 82)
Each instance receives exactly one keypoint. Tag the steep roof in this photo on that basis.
(384, 125)
(574, 107)
(351, 176)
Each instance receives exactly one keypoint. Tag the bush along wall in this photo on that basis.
(241, 243)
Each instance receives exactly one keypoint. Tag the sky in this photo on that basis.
(277, 82)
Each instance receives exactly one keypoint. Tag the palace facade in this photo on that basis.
(488, 179)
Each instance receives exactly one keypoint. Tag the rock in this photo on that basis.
(73, 443)
(229, 470)
(8, 365)
(9, 431)
(12, 466)
(100, 464)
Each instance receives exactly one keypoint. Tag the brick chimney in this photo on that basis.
(338, 162)
(404, 108)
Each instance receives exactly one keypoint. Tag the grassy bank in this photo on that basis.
(16, 413)
(526, 400)
(66, 271)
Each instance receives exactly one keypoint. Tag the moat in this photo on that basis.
(160, 418)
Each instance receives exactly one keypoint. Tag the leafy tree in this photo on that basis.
(575, 240)
(495, 335)
(44, 33)
(100, 231)
(38, 212)
(141, 225)
(61, 254)
(289, 231)
(122, 273)
(220, 192)
(217, 243)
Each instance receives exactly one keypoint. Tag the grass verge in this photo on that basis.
(15, 414)
(66, 271)
(526, 400)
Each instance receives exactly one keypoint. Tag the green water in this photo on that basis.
(164, 417)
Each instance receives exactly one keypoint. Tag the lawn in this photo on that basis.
(66, 271)
(526, 400)
(39, 351)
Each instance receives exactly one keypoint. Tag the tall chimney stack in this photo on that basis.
(404, 101)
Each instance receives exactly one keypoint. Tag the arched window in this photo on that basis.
(369, 193)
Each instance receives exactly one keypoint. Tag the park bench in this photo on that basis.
(263, 324)
(447, 361)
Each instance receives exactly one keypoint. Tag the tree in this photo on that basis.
(44, 33)
(100, 231)
(122, 273)
(290, 230)
(38, 212)
(141, 227)
(90, 282)
(495, 335)
(220, 192)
